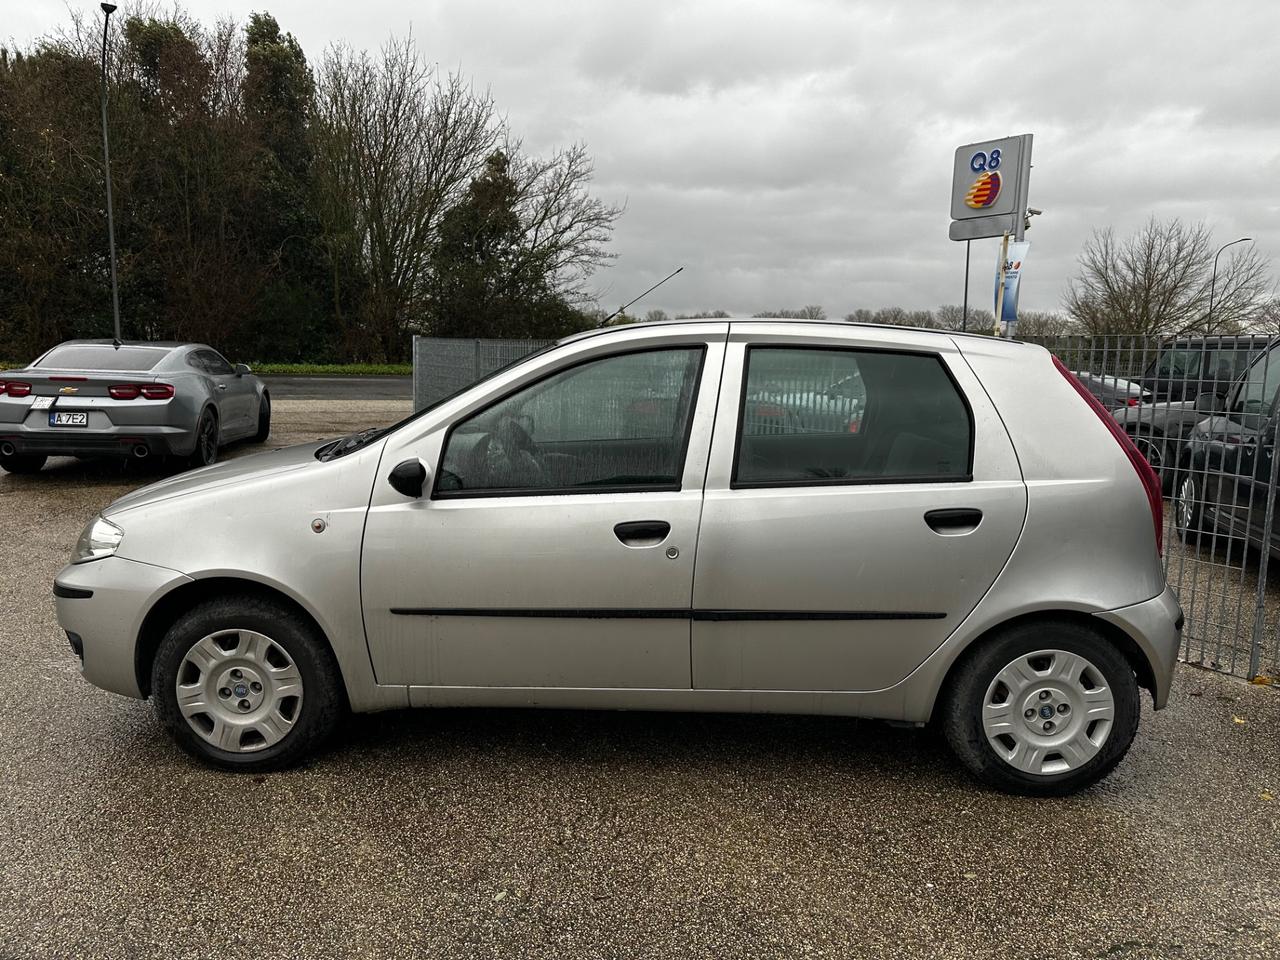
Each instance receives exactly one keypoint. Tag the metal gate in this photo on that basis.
(1202, 411)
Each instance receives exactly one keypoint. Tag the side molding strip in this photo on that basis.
(660, 613)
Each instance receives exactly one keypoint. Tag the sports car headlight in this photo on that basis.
(97, 540)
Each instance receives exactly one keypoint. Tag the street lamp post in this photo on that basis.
(1213, 281)
(108, 9)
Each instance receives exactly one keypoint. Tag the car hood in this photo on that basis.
(254, 467)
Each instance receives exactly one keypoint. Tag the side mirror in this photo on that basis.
(1209, 403)
(409, 478)
(241, 369)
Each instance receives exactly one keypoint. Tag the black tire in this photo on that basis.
(1188, 506)
(23, 463)
(961, 709)
(264, 419)
(206, 449)
(323, 702)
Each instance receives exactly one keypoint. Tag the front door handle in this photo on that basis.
(222, 386)
(642, 533)
(953, 520)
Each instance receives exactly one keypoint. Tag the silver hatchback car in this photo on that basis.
(613, 524)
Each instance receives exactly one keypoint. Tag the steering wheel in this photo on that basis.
(507, 457)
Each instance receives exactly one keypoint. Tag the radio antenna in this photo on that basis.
(642, 296)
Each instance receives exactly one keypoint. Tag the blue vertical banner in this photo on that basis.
(1008, 318)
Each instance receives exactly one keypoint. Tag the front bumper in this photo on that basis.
(108, 621)
(1156, 627)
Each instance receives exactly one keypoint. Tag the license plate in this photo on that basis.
(63, 419)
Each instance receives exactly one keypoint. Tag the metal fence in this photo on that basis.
(444, 365)
(1199, 409)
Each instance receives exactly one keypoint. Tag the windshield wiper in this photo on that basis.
(340, 448)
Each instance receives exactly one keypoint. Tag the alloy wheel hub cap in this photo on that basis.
(239, 690)
(1048, 712)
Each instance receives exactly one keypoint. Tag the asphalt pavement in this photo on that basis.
(340, 388)
(505, 834)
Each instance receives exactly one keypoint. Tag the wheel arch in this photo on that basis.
(1128, 647)
(165, 612)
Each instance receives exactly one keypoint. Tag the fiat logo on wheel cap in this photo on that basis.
(1046, 712)
(241, 690)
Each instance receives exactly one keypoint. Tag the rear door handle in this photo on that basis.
(642, 533)
(953, 520)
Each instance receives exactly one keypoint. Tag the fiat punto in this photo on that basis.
(665, 517)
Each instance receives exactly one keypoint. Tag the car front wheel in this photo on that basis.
(264, 419)
(1043, 709)
(245, 684)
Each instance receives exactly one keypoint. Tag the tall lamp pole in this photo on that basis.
(1213, 281)
(108, 9)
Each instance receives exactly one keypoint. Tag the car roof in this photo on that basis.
(647, 324)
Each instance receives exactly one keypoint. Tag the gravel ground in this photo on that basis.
(548, 834)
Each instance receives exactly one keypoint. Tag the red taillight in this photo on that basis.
(148, 391)
(855, 425)
(14, 388)
(1150, 482)
(1134, 401)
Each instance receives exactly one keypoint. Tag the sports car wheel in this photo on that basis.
(206, 451)
(264, 419)
(23, 463)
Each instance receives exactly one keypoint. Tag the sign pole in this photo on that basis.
(964, 315)
(1004, 261)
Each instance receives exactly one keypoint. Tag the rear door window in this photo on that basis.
(829, 415)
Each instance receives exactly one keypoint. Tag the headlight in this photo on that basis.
(97, 540)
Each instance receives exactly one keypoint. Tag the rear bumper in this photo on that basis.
(1156, 627)
(103, 627)
(117, 441)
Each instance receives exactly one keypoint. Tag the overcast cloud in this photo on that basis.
(800, 152)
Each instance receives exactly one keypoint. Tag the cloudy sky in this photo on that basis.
(800, 152)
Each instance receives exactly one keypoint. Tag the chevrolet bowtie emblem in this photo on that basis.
(69, 390)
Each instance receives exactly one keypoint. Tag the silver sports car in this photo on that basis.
(96, 398)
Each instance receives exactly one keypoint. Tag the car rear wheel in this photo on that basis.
(206, 451)
(1044, 709)
(23, 463)
(264, 419)
(244, 684)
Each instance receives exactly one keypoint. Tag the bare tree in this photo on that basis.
(565, 229)
(656, 316)
(1034, 323)
(396, 146)
(1157, 282)
(810, 311)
